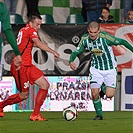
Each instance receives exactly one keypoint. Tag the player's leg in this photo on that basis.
(103, 90)
(13, 99)
(40, 98)
(43, 84)
(110, 92)
(21, 95)
(96, 81)
(97, 104)
(111, 83)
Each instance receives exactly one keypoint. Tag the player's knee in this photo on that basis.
(24, 95)
(95, 95)
(110, 92)
(109, 95)
(45, 86)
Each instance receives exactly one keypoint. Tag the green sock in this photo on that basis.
(103, 87)
(98, 106)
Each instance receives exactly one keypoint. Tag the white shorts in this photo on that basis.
(109, 77)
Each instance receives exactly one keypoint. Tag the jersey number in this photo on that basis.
(19, 37)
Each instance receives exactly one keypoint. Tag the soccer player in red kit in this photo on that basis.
(28, 73)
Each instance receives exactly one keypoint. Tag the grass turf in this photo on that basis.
(114, 122)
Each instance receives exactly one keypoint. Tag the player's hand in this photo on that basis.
(73, 66)
(56, 55)
(17, 62)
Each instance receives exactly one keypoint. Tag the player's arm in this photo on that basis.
(44, 47)
(119, 41)
(111, 40)
(109, 3)
(12, 41)
(7, 30)
(74, 54)
(123, 42)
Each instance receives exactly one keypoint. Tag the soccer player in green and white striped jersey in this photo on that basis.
(103, 63)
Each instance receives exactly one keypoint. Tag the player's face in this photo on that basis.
(93, 33)
(36, 24)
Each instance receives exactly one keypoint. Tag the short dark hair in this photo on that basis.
(106, 8)
(33, 17)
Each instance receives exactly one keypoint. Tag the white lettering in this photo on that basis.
(62, 62)
(49, 64)
(26, 84)
(64, 65)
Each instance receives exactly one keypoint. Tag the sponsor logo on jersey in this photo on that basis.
(97, 52)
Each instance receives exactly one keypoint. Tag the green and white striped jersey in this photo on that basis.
(102, 53)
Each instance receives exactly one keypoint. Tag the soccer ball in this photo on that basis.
(70, 113)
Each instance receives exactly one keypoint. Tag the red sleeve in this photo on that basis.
(33, 33)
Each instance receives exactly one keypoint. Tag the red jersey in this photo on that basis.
(25, 43)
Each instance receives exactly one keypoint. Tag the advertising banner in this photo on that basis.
(64, 39)
(127, 90)
(7, 88)
(65, 91)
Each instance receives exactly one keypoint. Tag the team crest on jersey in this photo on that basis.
(97, 52)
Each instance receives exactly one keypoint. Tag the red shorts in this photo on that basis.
(25, 75)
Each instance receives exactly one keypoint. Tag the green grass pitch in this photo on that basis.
(114, 122)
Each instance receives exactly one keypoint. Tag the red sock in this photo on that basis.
(40, 97)
(11, 100)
